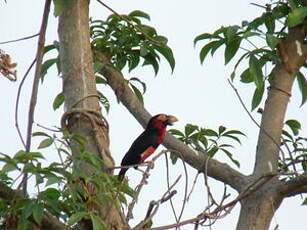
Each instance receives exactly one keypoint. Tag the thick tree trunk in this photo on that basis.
(83, 114)
(258, 208)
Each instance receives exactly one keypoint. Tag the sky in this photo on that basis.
(195, 93)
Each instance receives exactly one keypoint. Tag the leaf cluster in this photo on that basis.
(258, 39)
(295, 146)
(208, 141)
(62, 190)
(128, 41)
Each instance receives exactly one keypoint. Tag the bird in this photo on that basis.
(147, 142)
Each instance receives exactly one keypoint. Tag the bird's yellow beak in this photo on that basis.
(170, 119)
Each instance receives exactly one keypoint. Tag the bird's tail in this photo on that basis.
(122, 173)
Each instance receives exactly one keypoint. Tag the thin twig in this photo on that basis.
(227, 207)
(17, 102)
(130, 24)
(168, 185)
(140, 186)
(185, 188)
(154, 205)
(252, 118)
(20, 39)
(38, 70)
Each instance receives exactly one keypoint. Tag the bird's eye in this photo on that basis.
(162, 117)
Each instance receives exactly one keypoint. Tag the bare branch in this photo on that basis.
(38, 70)
(17, 102)
(140, 185)
(21, 39)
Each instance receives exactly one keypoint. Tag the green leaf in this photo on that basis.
(229, 154)
(216, 45)
(231, 32)
(50, 193)
(22, 224)
(137, 93)
(45, 143)
(45, 67)
(38, 211)
(76, 217)
(141, 14)
(232, 76)
(151, 60)
(204, 51)
(150, 31)
(269, 22)
(221, 129)
(22, 155)
(234, 132)
(213, 151)
(139, 81)
(28, 209)
(40, 134)
(302, 84)
(174, 158)
(58, 101)
(246, 77)
(294, 125)
(280, 11)
(104, 101)
(232, 137)
(48, 48)
(167, 53)
(133, 61)
(210, 46)
(58, 7)
(256, 71)
(257, 97)
(176, 132)
(100, 80)
(271, 40)
(297, 16)
(52, 179)
(231, 48)
(98, 224)
(189, 129)
(209, 132)
(203, 37)
(144, 51)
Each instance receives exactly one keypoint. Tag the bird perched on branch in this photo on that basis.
(147, 142)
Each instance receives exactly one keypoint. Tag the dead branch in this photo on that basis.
(140, 186)
(38, 70)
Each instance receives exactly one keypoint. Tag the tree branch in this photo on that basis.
(216, 169)
(294, 186)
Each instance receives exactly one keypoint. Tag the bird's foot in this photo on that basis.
(151, 164)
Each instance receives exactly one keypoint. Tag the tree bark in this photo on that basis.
(83, 114)
(259, 207)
